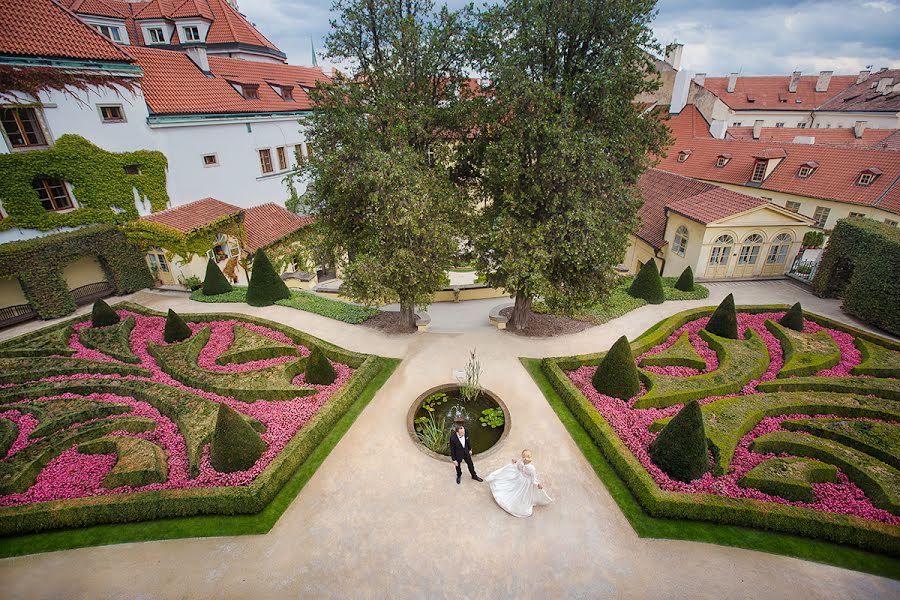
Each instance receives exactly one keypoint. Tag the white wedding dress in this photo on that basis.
(515, 488)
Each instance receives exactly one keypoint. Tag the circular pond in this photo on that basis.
(436, 412)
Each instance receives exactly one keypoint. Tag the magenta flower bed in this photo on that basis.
(74, 475)
(632, 425)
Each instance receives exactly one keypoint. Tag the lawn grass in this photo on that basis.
(202, 526)
(301, 300)
(619, 302)
(726, 535)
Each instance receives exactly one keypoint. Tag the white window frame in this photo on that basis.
(679, 244)
(111, 32)
(805, 172)
(187, 38)
(792, 206)
(865, 179)
(106, 121)
(821, 215)
(151, 32)
(215, 162)
(856, 215)
(762, 174)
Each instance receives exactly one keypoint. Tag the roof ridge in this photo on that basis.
(93, 31)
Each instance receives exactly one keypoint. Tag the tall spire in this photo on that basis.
(312, 47)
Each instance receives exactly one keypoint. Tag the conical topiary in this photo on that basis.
(318, 369)
(265, 285)
(176, 329)
(680, 448)
(617, 374)
(723, 321)
(215, 282)
(685, 283)
(793, 318)
(235, 446)
(103, 315)
(648, 284)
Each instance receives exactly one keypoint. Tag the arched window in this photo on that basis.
(750, 249)
(681, 239)
(721, 250)
(779, 249)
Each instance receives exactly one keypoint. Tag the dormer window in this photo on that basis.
(191, 33)
(109, 31)
(723, 160)
(156, 35)
(683, 155)
(759, 171)
(285, 91)
(807, 169)
(250, 91)
(868, 176)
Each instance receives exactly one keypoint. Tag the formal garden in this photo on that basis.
(132, 415)
(766, 417)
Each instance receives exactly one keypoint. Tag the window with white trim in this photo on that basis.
(779, 249)
(759, 171)
(109, 31)
(721, 250)
(865, 178)
(111, 113)
(891, 223)
(792, 206)
(191, 34)
(805, 171)
(857, 215)
(22, 127)
(821, 215)
(210, 160)
(679, 246)
(157, 35)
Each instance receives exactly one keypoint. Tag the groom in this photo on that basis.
(461, 450)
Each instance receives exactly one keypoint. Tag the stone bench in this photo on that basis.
(423, 320)
(498, 320)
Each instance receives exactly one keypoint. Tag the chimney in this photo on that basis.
(757, 128)
(700, 78)
(732, 82)
(673, 55)
(823, 81)
(884, 85)
(859, 128)
(197, 54)
(863, 75)
(795, 81)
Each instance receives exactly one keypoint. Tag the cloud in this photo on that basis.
(762, 37)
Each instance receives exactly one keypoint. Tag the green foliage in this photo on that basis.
(685, 281)
(882, 387)
(318, 369)
(617, 375)
(492, 417)
(875, 438)
(38, 263)
(102, 315)
(434, 400)
(860, 266)
(470, 386)
(793, 318)
(681, 353)
(215, 283)
(139, 462)
(56, 414)
(805, 353)
(9, 431)
(879, 481)
(877, 361)
(789, 478)
(249, 345)
(113, 340)
(193, 282)
(648, 284)
(723, 321)
(813, 239)
(27, 368)
(44, 342)
(434, 433)
(680, 448)
(620, 302)
(266, 287)
(149, 234)
(235, 445)
(98, 179)
(176, 330)
(305, 301)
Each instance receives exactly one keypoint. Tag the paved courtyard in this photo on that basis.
(380, 519)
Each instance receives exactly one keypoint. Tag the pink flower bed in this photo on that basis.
(74, 475)
(632, 425)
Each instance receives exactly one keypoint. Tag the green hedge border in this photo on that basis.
(842, 529)
(142, 506)
(647, 525)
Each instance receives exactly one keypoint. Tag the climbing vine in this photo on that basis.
(18, 80)
(101, 187)
(148, 234)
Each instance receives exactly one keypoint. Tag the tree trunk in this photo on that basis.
(407, 314)
(521, 312)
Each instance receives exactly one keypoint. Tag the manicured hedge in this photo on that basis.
(648, 284)
(789, 478)
(215, 282)
(318, 369)
(860, 265)
(102, 315)
(679, 354)
(235, 446)
(176, 329)
(685, 281)
(112, 340)
(680, 448)
(804, 353)
(843, 529)
(266, 287)
(617, 375)
(875, 438)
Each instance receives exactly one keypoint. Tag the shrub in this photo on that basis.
(102, 315)
(235, 445)
(176, 329)
(813, 239)
(648, 284)
(617, 375)
(685, 282)
(215, 283)
(723, 321)
(680, 448)
(793, 318)
(266, 287)
(318, 369)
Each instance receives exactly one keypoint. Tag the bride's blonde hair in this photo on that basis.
(526, 456)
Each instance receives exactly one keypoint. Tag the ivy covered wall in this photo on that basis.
(100, 185)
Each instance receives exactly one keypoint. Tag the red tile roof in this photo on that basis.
(659, 189)
(193, 8)
(835, 179)
(713, 205)
(770, 92)
(863, 97)
(115, 9)
(844, 136)
(173, 84)
(46, 29)
(267, 223)
(194, 215)
(230, 26)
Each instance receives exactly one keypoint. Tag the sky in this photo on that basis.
(720, 37)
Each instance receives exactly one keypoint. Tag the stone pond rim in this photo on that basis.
(446, 387)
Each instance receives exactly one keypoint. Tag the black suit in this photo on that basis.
(461, 452)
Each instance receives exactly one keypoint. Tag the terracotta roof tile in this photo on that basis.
(843, 136)
(189, 217)
(44, 28)
(268, 223)
(715, 204)
(193, 8)
(658, 189)
(862, 97)
(114, 9)
(230, 26)
(770, 92)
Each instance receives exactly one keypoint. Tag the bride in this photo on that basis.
(516, 487)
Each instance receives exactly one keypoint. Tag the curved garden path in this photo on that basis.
(380, 519)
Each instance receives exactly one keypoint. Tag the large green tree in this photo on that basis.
(561, 145)
(382, 137)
